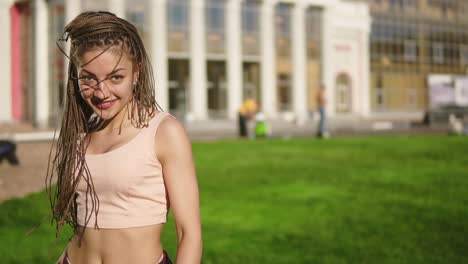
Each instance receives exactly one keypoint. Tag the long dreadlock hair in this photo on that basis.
(87, 31)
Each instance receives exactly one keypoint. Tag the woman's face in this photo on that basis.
(106, 81)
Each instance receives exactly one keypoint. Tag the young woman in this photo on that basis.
(120, 161)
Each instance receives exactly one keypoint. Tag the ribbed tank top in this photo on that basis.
(128, 182)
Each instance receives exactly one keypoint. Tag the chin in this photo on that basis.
(104, 114)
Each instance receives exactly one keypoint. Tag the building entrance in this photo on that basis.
(21, 43)
(343, 93)
(217, 89)
(251, 81)
(179, 79)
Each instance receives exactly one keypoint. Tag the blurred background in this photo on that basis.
(389, 186)
(382, 60)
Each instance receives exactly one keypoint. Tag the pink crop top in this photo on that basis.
(128, 182)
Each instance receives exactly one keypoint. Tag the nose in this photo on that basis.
(102, 92)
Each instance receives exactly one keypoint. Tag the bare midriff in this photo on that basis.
(117, 246)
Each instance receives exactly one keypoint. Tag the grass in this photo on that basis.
(346, 200)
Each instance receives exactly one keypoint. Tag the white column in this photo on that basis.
(159, 51)
(72, 9)
(117, 7)
(299, 63)
(41, 63)
(5, 62)
(198, 91)
(327, 59)
(268, 67)
(234, 57)
(365, 111)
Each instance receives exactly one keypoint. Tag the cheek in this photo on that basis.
(85, 96)
(124, 90)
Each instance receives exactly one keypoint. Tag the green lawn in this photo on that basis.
(344, 200)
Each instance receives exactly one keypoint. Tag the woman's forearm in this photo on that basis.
(189, 249)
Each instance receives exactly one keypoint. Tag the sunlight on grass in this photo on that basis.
(348, 200)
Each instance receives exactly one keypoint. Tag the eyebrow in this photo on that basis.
(113, 72)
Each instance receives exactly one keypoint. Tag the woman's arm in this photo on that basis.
(175, 154)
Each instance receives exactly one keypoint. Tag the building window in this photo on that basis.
(250, 17)
(137, 15)
(283, 29)
(313, 32)
(313, 23)
(216, 89)
(411, 51)
(464, 55)
(412, 98)
(437, 52)
(401, 4)
(215, 16)
(394, 3)
(379, 99)
(177, 15)
(178, 26)
(409, 4)
(250, 27)
(284, 92)
(343, 93)
(178, 84)
(444, 6)
(283, 20)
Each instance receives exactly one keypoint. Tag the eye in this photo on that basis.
(86, 78)
(117, 77)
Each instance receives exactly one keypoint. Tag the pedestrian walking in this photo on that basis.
(322, 104)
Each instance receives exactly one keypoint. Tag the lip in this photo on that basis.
(105, 105)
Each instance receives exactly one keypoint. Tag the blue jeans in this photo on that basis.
(323, 121)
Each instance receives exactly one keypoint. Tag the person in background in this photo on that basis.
(261, 127)
(247, 113)
(8, 152)
(322, 104)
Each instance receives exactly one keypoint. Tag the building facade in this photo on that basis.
(412, 40)
(207, 56)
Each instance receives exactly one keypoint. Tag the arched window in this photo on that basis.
(343, 93)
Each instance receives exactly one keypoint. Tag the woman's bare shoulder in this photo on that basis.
(171, 137)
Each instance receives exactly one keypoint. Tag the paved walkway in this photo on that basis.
(29, 176)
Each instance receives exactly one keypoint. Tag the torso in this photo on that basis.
(126, 245)
(104, 141)
(321, 99)
(117, 246)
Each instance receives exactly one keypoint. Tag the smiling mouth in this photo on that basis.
(105, 105)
